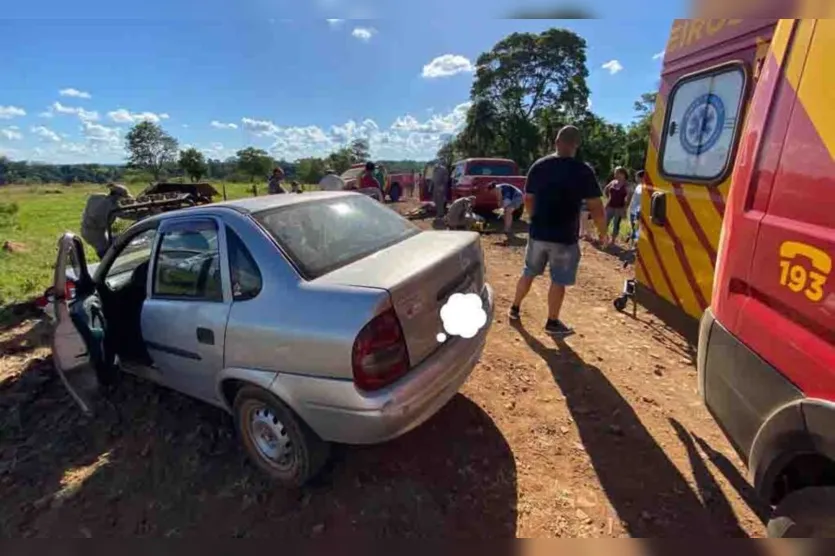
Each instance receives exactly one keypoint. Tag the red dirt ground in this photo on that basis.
(602, 435)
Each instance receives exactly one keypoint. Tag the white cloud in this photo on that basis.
(407, 137)
(447, 65)
(122, 116)
(613, 66)
(364, 33)
(46, 133)
(70, 92)
(218, 151)
(220, 125)
(9, 112)
(11, 133)
(261, 128)
(335, 22)
(83, 115)
(660, 55)
(97, 133)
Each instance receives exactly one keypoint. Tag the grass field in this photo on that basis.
(42, 214)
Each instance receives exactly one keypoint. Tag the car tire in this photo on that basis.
(395, 192)
(276, 440)
(805, 513)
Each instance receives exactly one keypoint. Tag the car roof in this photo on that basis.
(253, 205)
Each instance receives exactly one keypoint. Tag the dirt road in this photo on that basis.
(602, 435)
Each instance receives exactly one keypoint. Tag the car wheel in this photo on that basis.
(395, 192)
(806, 513)
(276, 440)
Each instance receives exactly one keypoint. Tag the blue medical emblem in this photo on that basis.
(702, 124)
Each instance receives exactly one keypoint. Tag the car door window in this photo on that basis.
(136, 253)
(246, 277)
(702, 125)
(188, 263)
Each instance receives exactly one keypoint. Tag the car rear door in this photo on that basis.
(185, 314)
(78, 328)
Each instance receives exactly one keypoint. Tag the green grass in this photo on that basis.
(43, 213)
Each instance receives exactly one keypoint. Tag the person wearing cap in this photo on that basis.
(98, 216)
(274, 185)
(331, 182)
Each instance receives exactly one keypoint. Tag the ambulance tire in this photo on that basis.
(805, 513)
(395, 192)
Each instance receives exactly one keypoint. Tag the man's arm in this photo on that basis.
(531, 185)
(598, 214)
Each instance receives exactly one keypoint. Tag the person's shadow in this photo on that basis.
(649, 494)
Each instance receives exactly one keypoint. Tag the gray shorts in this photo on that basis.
(513, 204)
(562, 260)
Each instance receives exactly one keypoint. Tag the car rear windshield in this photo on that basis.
(491, 169)
(324, 235)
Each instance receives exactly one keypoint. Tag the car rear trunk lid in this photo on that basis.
(420, 274)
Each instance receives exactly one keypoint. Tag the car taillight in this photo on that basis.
(380, 356)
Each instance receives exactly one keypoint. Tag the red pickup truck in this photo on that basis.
(472, 176)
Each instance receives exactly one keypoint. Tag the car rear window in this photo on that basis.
(490, 169)
(325, 235)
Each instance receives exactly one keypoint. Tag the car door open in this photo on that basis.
(78, 346)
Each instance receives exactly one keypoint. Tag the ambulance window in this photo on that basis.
(703, 121)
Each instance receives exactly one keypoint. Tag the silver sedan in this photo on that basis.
(310, 318)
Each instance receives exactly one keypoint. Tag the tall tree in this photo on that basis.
(340, 160)
(193, 163)
(523, 86)
(150, 148)
(360, 150)
(526, 71)
(254, 162)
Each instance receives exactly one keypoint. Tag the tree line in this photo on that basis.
(154, 155)
(529, 86)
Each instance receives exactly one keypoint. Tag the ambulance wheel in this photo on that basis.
(395, 192)
(620, 303)
(805, 513)
(517, 214)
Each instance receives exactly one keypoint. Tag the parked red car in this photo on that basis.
(472, 176)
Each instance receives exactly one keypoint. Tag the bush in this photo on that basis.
(8, 214)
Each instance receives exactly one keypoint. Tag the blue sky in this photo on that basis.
(220, 76)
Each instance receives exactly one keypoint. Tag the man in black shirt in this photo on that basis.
(556, 188)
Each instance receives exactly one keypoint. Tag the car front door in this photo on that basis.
(79, 352)
(184, 317)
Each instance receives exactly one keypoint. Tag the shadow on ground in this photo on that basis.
(154, 463)
(649, 494)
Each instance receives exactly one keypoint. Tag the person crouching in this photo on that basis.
(510, 200)
(460, 215)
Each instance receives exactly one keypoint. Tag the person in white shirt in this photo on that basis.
(331, 182)
(635, 205)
